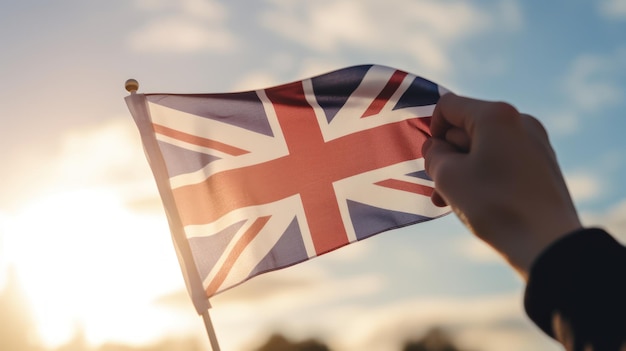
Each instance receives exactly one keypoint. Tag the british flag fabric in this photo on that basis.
(260, 180)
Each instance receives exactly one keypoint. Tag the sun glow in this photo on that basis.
(88, 263)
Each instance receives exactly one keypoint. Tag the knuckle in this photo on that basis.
(503, 112)
(502, 115)
(446, 98)
(504, 109)
(534, 125)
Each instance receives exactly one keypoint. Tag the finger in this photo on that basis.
(536, 129)
(463, 112)
(452, 111)
(459, 138)
(438, 124)
(534, 126)
(438, 200)
(437, 152)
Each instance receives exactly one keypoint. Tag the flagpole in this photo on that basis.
(132, 86)
(208, 324)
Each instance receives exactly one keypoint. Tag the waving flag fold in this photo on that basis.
(260, 180)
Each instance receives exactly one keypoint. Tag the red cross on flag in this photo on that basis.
(260, 180)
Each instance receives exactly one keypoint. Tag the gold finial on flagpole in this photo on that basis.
(131, 85)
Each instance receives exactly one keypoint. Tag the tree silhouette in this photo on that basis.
(434, 340)
(280, 343)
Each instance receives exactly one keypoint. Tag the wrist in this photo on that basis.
(525, 252)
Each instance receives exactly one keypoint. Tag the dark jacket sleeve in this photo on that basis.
(582, 278)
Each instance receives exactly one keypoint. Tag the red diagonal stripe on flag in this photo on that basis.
(196, 140)
(241, 244)
(407, 186)
(390, 88)
(309, 169)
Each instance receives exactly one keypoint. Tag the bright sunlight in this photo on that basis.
(89, 264)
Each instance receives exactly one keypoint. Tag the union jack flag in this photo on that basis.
(260, 180)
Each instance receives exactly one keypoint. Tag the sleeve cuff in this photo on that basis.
(583, 277)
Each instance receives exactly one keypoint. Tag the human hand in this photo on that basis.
(496, 169)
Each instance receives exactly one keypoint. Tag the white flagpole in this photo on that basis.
(215, 346)
(132, 86)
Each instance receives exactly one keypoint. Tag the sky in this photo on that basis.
(80, 218)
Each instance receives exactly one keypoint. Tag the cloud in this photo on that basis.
(351, 253)
(510, 14)
(614, 220)
(109, 153)
(613, 9)
(425, 30)
(305, 301)
(305, 286)
(477, 250)
(207, 9)
(4, 220)
(300, 301)
(183, 27)
(297, 287)
(255, 80)
(257, 290)
(180, 35)
(314, 66)
(592, 84)
(562, 121)
(583, 186)
(493, 322)
(285, 65)
(106, 156)
(487, 323)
